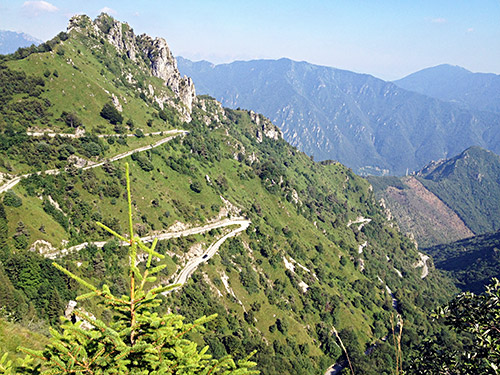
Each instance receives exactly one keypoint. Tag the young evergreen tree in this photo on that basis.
(139, 341)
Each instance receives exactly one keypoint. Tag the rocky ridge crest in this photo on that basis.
(153, 54)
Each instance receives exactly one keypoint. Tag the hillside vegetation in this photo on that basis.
(470, 185)
(472, 262)
(447, 200)
(319, 252)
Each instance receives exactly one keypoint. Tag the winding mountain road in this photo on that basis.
(193, 264)
(69, 135)
(174, 133)
(242, 222)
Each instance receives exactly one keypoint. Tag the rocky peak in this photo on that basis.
(163, 65)
(119, 34)
(159, 60)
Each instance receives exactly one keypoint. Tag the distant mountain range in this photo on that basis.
(447, 200)
(10, 41)
(372, 126)
(478, 91)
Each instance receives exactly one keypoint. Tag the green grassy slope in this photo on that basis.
(301, 212)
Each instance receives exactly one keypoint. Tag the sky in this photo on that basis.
(386, 38)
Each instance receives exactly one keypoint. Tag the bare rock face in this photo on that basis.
(153, 54)
(116, 103)
(42, 247)
(69, 313)
(212, 110)
(163, 65)
(266, 127)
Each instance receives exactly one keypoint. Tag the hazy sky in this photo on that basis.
(386, 38)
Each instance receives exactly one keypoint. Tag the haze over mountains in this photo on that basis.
(477, 91)
(372, 126)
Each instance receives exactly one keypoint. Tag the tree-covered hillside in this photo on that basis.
(448, 200)
(318, 253)
(472, 262)
(470, 185)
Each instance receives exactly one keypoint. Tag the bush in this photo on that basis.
(196, 187)
(71, 119)
(139, 133)
(12, 200)
(143, 162)
(110, 113)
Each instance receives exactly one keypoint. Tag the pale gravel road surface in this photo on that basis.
(423, 263)
(242, 222)
(195, 262)
(67, 135)
(13, 182)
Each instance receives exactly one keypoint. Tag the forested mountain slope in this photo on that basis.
(370, 125)
(318, 252)
(473, 261)
(447, 200)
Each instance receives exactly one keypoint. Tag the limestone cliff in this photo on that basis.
(152, 54)
(266, 127)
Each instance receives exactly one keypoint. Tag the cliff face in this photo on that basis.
(152, 54)
(266, 127)
(163, 65)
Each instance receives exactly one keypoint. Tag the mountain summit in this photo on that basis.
(477, 91)
(11, 40)
(152, 55)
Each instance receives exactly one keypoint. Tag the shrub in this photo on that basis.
(110, 113)
(12, 200)
(71, 119)
(196, 187)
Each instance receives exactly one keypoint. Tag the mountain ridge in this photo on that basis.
(477, 91)
(370, 125)
(467, 185)
(10, 41)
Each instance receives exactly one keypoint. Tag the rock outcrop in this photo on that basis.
(152, 54)
(163, 65)
(266, 127)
